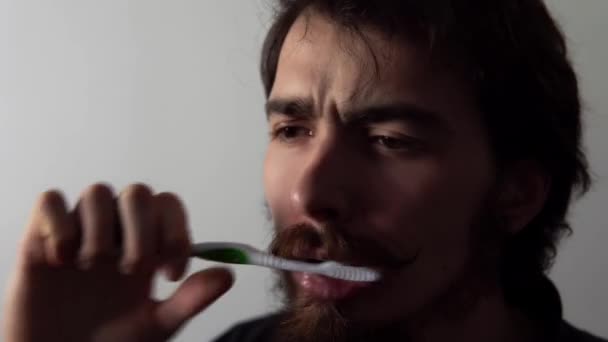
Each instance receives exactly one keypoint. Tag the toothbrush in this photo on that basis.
(238, 253)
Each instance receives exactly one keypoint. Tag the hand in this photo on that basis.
(87, 274)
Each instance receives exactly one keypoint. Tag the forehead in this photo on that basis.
(320, 57)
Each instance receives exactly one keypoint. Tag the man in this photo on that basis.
(436, 141)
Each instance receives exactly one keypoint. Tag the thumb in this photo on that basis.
(194, 295)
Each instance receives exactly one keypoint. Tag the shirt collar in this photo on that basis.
(539, 299)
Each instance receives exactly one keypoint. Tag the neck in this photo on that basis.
(487, 318)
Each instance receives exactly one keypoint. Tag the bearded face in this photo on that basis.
(389, 169)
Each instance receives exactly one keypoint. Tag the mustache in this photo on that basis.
(305, 241)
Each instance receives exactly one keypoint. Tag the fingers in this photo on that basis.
(198, 292)
(97, 214)
(52, 237)
(139, 231)
(174, 235)
(139, 228)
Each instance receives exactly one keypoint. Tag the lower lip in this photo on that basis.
(327, 289)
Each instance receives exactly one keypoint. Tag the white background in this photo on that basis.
(168, 93)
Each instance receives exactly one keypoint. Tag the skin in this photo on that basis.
(70, 284)
(412, 186)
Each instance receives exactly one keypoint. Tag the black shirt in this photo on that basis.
(542, 302)
(262, 330)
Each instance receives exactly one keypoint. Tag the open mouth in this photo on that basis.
(312, 261)
(319, 287)
(323, 288)
(343, 261)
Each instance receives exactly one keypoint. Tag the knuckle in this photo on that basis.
(94, 252)
(136, 251)
(62, 241)
(68, 234)
(97, 241)
(134, 260)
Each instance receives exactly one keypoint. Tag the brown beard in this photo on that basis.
(307, 320)
(313, 322)
(310, 321)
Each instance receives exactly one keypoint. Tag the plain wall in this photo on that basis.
(168, 93)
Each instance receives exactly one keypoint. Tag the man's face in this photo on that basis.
(394, 161)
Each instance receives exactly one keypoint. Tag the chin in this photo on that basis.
(322, 310)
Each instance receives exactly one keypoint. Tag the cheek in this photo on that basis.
(277, 184)
(272, 178)
(427, 208)
(407, 194)
(430, 204)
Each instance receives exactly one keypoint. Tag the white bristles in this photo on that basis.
(328, 268)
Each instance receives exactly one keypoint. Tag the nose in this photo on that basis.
(321, 189)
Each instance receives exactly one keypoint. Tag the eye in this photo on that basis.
(291, 133)
(394, 143)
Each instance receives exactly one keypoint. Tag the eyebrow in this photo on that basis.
(406, 112)
(399, 111)
(294, 107)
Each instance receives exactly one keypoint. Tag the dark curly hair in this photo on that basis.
(525, 85)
